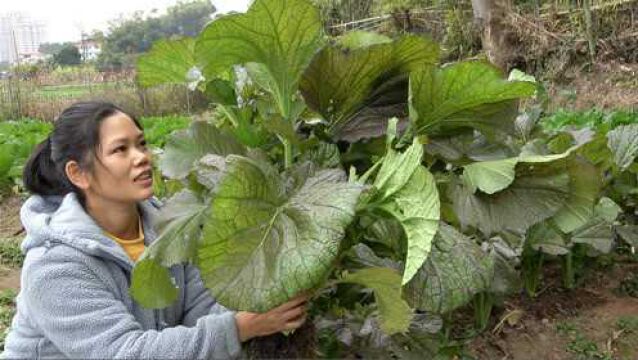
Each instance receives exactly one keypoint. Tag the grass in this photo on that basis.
(10, 253)
(628, 324)
(628, 336)
(7, 311)
(628, 286)
(582, 347)
(70, 91)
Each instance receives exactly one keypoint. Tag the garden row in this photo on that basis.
(397, 189)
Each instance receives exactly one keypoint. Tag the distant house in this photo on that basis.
(89, 49)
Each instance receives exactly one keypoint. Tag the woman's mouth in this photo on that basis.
(145, 178)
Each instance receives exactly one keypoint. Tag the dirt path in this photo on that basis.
(10, 217)
(10, 226)
(9, 278)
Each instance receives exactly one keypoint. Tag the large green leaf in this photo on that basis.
(417, 207)
(598, 231)
(545, 238)
(464, 95)
(407, 191)
(281, 35)
(179, 227)
(152, 286)
(629, 233)
(585, 182)
(394, 313)
(221, 92)
(455, 271)
(467, 147)
(185, 147)
(270, 237)
(359, 78)
(585, 185)
(168, 62)
(396, 169)
(490, 176)
(607, 209)
(537, 193)
(623, 142)
(516, 193)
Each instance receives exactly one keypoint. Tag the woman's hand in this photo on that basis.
(288, 316)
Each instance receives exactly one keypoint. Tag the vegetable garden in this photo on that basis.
(401, 192)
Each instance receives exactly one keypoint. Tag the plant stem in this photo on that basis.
(532, 266)
(287, 153)
(569, 280)
(483, 303)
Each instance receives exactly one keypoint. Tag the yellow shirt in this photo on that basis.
(134, 248)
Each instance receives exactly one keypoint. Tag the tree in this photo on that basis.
(68, 55)
(489, 14)
(51, 48)
(128, 37)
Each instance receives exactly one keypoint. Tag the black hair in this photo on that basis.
(75, 137)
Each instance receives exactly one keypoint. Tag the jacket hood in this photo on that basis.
(50, 220)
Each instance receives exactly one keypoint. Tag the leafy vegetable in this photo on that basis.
(455, 271)
(623, 142)
(464, 95)
(168, 62)
(187, 146)
(357, 84)
(407, 191)
(395, 314)
(265, 240)
(279, 36)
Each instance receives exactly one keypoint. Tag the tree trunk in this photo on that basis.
(490, 16)
(589, 31)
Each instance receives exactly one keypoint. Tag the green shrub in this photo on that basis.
(594, 118)
(158, 128)
(17, 140)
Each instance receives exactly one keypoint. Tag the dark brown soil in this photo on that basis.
(558, 302)
(299, 345)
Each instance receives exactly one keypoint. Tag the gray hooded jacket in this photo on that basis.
(75, 302)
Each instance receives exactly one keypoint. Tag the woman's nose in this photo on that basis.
(141, 157)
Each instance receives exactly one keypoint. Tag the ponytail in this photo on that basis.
(41, 175)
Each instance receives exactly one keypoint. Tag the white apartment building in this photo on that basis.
(20, 38)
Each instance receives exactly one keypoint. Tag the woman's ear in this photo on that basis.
(76, 175)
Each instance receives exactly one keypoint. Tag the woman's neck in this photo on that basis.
(118, 219)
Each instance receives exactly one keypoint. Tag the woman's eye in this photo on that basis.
(143, 143)
(119, 149)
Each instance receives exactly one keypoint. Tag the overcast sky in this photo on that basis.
(66, 19)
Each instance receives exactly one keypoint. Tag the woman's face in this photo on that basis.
(122, 170)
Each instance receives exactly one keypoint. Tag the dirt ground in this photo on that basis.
(608, 86)
(584, 323)
(10, 217)
(9, 278)
(10, 226)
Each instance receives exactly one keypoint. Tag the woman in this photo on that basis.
(89, 219)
